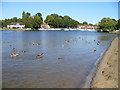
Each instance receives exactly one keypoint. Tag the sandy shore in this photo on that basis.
(106, 74)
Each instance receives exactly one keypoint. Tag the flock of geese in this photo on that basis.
(98, 42)
(41, 55)
(23, 51)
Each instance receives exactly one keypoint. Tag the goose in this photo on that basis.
(67, 41)
(98, 43)
(95, 49)
(14, 55)
(38, 43)
(33, 43)
(60, 58)
(39, 56)
(14, 49)
(24, 51)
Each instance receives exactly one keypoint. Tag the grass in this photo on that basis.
(115, 32)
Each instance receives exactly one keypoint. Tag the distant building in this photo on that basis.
(87, 27)
(16, 25)
(45, 26)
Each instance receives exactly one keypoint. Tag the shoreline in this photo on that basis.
(105, 74)
(113, 32)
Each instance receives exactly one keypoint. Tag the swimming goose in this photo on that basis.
(39, 56)
(95, 49)
(14, 55)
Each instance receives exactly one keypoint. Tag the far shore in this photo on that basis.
(57, 29)
(106, 73)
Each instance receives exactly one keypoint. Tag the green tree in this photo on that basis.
(14, 19)
(90, 24)
(37, 22)
(56, 21)
(28, 14)
(85, 23)
(38, 14)
(118, 24)
(52, 20)
(49, 19)
(67, 21)
(107, 24)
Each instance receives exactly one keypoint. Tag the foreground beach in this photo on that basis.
(106, 74)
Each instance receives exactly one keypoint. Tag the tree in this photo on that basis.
(49, 19)
(56, 21)
(90, 24)
(85, 23)
(28, 14)
(118, 24)
(67, 21)
(14, 19)
(107, 24)
(39, 14)
(37, 22)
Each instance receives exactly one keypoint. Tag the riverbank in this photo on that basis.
(106, 74)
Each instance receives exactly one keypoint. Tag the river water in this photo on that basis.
(68, 57)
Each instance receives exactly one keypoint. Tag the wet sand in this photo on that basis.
(106, 74)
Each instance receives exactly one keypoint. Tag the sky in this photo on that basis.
(92, 12)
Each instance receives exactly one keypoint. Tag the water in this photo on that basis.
(64, 65)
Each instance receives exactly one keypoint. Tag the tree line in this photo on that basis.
(34, 22)
(57, 21)
(29, 21)
(108, 24)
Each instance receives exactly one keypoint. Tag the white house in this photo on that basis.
(45, 26)
(16, 25)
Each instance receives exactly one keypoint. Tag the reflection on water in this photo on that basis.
(68, 57)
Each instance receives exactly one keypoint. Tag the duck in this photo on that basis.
(14, 55)
(38, 43)
(60, 58)
(33, 43)
(24, 51)
(67, 41)
(14, 49)
(95, 49)
(39, 56)
(98, 43)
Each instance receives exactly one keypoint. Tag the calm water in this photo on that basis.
(77, 57)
